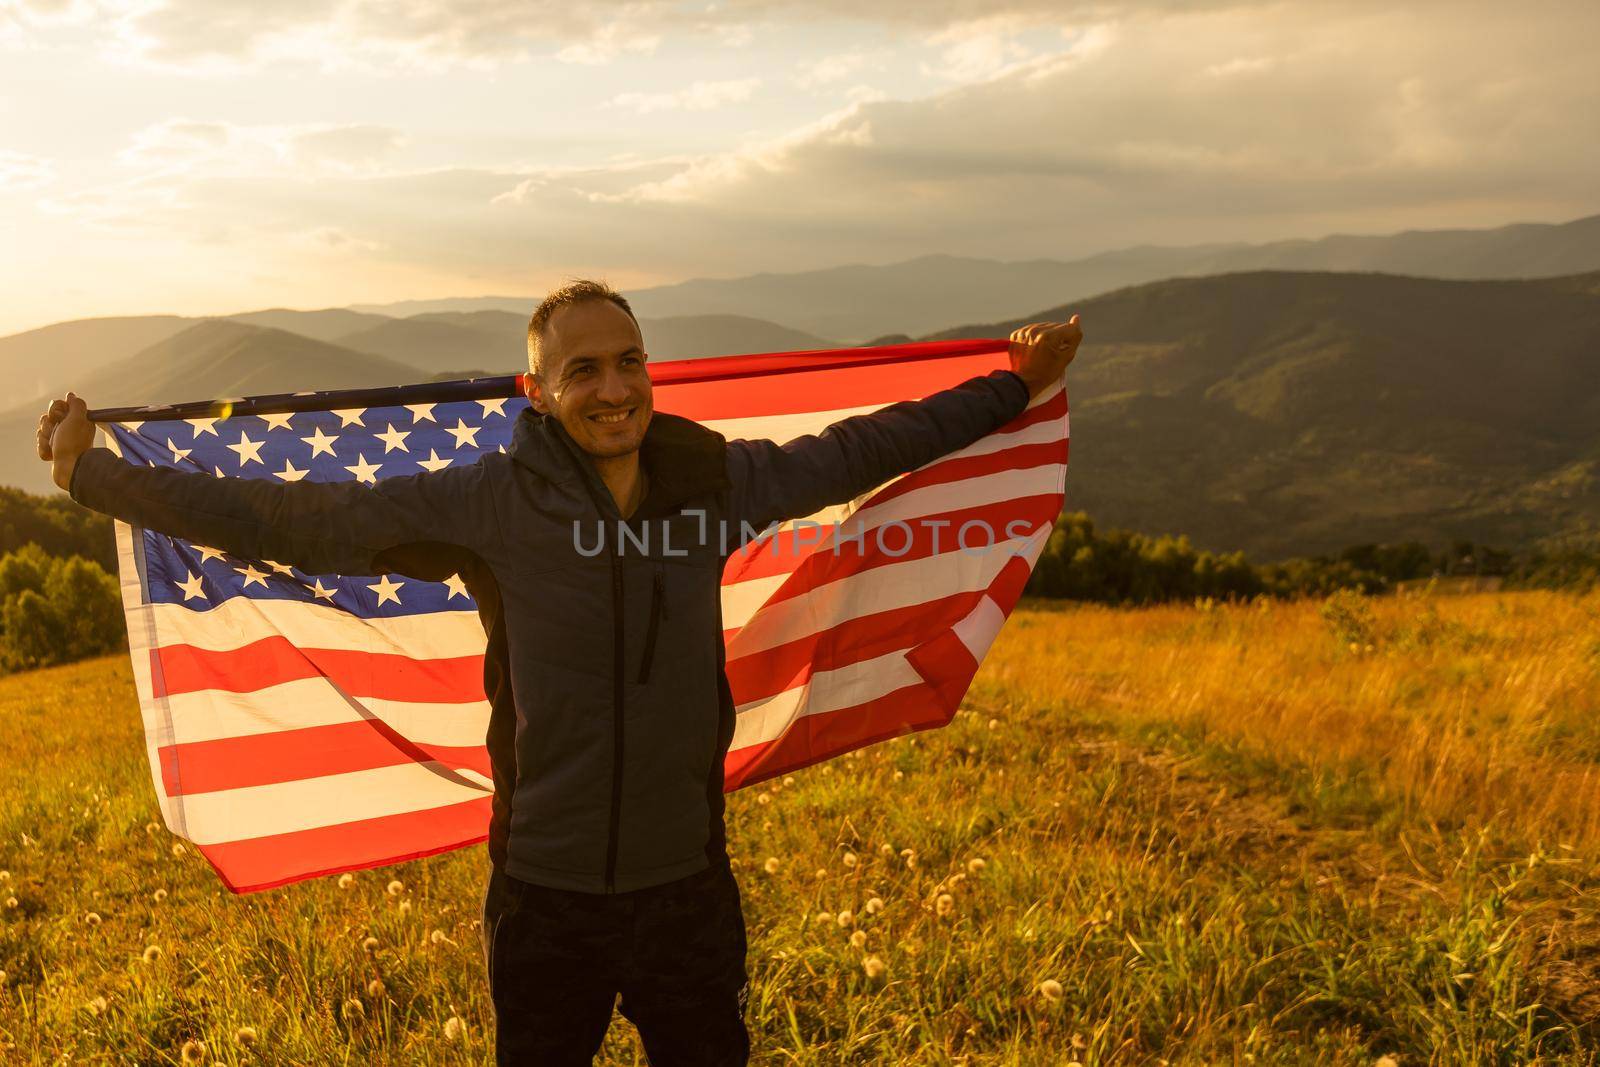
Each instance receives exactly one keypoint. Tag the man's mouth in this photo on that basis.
(612, 417)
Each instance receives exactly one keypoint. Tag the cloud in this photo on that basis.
(222, 35)
(352, 148)
(830, 69)
(1127, 132)
(189, 146)
(701, 96)
(20, 172)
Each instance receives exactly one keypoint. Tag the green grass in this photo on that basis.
(1198, 898)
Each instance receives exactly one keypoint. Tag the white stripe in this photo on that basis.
(239, 621)
(784, 428)
(310, 803)
(212, 714)
(141, 638)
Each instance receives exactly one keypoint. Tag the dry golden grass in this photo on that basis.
(1479, 710)
(1200, 835)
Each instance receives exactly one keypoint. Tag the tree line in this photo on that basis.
(1123, 567)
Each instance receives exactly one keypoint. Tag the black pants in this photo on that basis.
(675, 952)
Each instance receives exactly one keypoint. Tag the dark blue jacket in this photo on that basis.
(610, 709)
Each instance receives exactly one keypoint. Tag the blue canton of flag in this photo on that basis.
(351, 444)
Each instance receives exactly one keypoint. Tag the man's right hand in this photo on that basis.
(65, 433)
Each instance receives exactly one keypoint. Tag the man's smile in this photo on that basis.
(610, 417)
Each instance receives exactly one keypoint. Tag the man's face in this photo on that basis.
(594, 379)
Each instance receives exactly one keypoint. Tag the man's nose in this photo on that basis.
(613, 388)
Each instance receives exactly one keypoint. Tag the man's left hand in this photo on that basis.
(1041, 351)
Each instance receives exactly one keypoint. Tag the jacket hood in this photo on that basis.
(684, 458)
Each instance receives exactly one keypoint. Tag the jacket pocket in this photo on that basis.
(658, 611)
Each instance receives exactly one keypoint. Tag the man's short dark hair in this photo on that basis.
(577, 291)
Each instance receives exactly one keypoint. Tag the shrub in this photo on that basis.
(55, 610)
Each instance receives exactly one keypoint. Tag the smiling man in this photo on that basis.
(611, 714)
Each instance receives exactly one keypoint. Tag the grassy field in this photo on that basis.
(1270, 834)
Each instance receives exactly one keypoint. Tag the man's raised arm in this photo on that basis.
(773, 483)
(319, 527)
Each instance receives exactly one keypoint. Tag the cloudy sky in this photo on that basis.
(208, 156)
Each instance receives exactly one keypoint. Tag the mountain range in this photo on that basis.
(858, 302)
(1289, 413)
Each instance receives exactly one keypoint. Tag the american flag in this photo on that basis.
(301, 725)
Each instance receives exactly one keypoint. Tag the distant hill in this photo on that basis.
(935, 292)
(329, 324)
(52, 359)
(213, 358)
(404, 309)
(1289, 413)
(427, 343)
(688, 336)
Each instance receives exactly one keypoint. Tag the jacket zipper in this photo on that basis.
(657, 613)
(616, 717)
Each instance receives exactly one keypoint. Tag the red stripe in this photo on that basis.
(1054, 408)
(803, 390)
(274, 660)
(278, 859)
(782, 667)
(814, 738)
(310, 752)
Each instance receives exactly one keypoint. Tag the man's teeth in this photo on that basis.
(618, 417)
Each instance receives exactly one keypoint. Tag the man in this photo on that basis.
(594, 549)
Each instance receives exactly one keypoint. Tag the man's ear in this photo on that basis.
(535, 391)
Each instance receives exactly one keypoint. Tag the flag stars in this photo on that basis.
(178, 454)
(247, 449)
(457, 587)
(364, 471)
(281, 568)
(464, 434)
(252, 575)
(393, 439)
(387, 590)
(191, 588)
(433, 462)
(495, 407)
(289, 473)
(318, 590)
(207, 553)
(203, 426)
(278, 420)
(350, 417)
(419, 412)
(320, 442)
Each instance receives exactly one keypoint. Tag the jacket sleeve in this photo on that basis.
(773, 483)
(319, 527)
